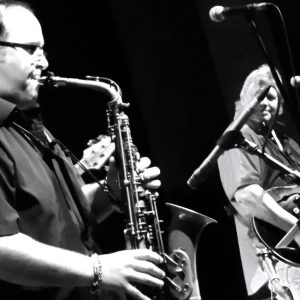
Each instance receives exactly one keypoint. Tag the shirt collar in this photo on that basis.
(6, 108)
(259, 128)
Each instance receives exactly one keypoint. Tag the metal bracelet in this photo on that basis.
(97, 273)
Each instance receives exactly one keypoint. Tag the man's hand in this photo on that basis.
(146, 174)
(122, 270)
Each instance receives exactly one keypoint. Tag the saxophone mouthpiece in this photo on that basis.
(45, 80)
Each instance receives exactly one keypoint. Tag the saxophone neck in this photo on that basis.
(101, 84)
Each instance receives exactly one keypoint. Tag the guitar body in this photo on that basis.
(271, 236)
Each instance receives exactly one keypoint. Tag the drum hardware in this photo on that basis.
(267, 264)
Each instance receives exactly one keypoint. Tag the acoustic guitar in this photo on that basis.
(272, 237)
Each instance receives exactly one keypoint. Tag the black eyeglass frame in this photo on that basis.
(28, 47)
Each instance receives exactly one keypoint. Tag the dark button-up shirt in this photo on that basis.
(38, 191)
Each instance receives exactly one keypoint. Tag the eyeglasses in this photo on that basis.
(31, 49)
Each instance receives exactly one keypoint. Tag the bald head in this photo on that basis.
(20, 68)
(6, 7)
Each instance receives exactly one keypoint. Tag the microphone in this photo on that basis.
(295, 81)
(219, 13)
(226, 139)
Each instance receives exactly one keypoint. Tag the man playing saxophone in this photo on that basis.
(46, 212)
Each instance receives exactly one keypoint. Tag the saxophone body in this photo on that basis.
(143, 225)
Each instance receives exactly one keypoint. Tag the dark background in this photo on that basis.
(181, 74)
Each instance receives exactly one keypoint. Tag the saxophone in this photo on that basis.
(143, 225)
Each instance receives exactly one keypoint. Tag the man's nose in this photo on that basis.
(264, 102)
(42, 62)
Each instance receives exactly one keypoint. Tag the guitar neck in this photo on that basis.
(98, 161)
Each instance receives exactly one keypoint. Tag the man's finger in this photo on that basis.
(150, 173)
(153, 185)
(143, 163)
(136, 294)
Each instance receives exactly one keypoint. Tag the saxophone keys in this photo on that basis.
(173, 285)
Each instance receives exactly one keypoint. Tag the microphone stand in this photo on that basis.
(269, 61)
(226, 141)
